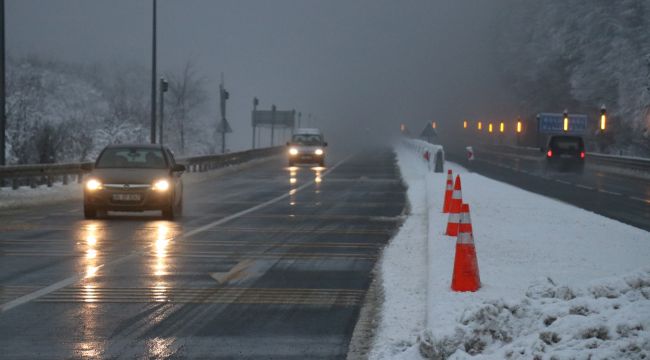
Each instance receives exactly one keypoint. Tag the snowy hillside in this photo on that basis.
(59, 112)
(579, 55)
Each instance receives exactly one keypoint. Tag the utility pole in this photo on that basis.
(153, 75)
(164, 85)
(3, 119)
(255, 103)
(223, 127)
(272, 123)
(299, 118)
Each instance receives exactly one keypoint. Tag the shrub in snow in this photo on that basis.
(608, 319)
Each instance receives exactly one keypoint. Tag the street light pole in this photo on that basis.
(255, 103)
(153, 75)
(163, 89)
(3, 120)
(272, 123)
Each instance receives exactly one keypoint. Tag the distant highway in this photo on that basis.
(615, 195)
(268, 262)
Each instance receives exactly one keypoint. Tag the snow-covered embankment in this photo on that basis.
(556, 280)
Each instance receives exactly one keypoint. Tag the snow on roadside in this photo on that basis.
(403, 278)
(558, 281)
(42, 195)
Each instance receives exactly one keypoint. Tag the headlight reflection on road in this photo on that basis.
(160, 249)
(91, 251)
(160, 292)
(317, 171)
(89, 293)
(293, 172)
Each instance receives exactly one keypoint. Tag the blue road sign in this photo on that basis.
(552, 123)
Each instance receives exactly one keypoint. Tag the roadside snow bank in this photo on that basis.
(609, 319)
(521, 238)
(402, 265)
(42, 195)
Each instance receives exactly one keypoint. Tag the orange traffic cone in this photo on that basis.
(449, 189)
(454, 209)
(466, 276)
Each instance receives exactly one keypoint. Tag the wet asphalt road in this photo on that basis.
(259, 267)
(606, 192)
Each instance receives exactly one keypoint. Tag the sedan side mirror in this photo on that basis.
(178, 168)
(86, 167)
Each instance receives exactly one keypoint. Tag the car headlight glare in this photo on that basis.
(318, 152)
(293, 151)
(93, 184)
(161, 185)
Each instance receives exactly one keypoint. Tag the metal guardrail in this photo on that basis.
(630, 163)
(34, 175)
(625, 162)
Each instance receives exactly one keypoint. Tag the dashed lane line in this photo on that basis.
(585, 187)
(76, 278)
(647, 201)
(609, 192)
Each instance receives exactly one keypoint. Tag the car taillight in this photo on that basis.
(549, 153)
(582, 154)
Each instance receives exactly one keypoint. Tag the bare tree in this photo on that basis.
(185, 101)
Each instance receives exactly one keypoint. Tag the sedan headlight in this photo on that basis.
(93, 184)
(160, 185)
(318, 152)
(293, 151)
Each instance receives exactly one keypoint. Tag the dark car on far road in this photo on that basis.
(134, 178)
(565, 153)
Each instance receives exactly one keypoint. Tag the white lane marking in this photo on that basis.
(647, 201)
(75, 278)
(562, 182)
(609, 192)
(585, 187)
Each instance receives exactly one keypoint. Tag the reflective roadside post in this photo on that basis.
(502, 129)
(602, 126)
(519, 128)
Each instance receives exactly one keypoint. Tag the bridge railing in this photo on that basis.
(35, 175)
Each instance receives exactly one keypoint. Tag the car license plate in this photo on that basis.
(566, 156)
(126, 197)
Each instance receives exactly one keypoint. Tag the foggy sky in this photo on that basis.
(359, 66)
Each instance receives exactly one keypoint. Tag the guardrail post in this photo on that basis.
(49, 180)
(64, 179)
(15, 183)
(32, 182)
(80, 178)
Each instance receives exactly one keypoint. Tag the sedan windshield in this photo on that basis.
(307, 139)
(132, 158)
